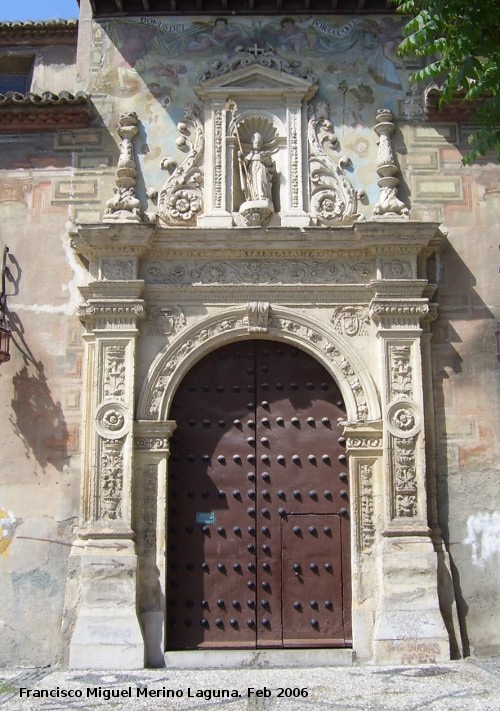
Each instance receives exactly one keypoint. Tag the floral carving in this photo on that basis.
(366, 524)
(401, 371)
(272, 271)
(180, 200)
(113, 420)
(333, 199)
(111, 479)
(405, 477)
(403, 419)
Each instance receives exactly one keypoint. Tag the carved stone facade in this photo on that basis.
(339, 303)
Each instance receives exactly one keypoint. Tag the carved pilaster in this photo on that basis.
(151, 444)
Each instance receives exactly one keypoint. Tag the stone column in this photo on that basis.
(151, 442)
(107, 634)
(409, 626)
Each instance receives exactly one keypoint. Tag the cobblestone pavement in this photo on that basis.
(470, 684)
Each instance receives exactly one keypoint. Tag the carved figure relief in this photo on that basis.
(333, 199)
(405, 477)
(180, 200)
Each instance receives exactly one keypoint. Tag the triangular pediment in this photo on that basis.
(258, 79)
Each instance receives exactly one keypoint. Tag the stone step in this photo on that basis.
(258, 658)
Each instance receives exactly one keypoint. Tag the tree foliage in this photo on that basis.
(460, 39)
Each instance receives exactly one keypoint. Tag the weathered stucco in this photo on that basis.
(50, 181)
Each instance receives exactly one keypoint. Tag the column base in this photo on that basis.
(107, 633)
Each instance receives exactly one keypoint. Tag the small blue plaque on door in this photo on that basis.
(205, 517)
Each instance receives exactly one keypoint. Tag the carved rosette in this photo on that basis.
(333, 199)
(389, 205)
(124, 206)
(180, 201)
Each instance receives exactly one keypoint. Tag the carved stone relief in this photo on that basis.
(397, 269)
(274, 323)
(241, 271)
(401, 371)
(117, 269)
(180, 200)
(366, 508)
(405, 477)
(351, 320)
(164, 320)
(258, 316)
(110, 479)
(114, 372)
(254, 55)
(333, 199)
(149, 511)
(389, 205)
(124, 206)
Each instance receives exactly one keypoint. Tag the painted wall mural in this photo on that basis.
(151, 66)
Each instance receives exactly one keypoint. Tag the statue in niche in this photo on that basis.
(256, 171)
(256, 177)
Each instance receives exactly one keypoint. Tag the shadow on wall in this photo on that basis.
(456, 365)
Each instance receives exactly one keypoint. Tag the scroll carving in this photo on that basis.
(111, 479)
(405, 477)
(180, 200)
(114, 372)
(333, 199)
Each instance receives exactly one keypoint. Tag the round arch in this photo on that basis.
(325, 345)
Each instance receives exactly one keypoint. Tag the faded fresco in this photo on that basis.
(151, 65)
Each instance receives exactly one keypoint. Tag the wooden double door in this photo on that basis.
(258, 504)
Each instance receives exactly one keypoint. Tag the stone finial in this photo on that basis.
(124, 206)
(389, 205)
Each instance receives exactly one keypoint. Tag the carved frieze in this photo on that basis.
(180, 200)
(333, 199)
(351, 320)
(271, 271)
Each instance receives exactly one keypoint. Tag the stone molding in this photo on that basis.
(334, 352)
